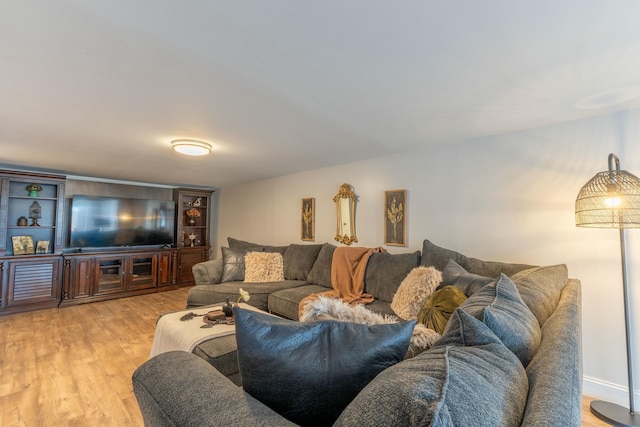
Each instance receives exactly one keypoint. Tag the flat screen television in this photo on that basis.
(104, 222)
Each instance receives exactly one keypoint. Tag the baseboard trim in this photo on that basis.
(608, 391)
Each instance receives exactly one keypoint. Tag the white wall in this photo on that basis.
(508, 198)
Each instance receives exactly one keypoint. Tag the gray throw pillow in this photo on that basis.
(469, 378)
(298, 261)
(320, 273)
(468, 283)
(434, 255)
(500, 307)
(233, 264)
(309, 372)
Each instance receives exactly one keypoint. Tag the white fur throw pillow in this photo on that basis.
(323, 308)
(414, 290)
(261, 267)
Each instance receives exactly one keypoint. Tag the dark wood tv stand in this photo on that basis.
(102, 275)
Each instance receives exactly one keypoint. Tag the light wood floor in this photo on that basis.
(72, 366)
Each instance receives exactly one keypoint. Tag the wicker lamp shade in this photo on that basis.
(611, 199)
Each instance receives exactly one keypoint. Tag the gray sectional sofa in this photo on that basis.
(469, 377)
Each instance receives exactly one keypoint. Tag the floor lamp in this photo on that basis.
(611, 199)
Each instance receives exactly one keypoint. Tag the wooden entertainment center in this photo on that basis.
(39, 270)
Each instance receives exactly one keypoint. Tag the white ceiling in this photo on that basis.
(99, 88)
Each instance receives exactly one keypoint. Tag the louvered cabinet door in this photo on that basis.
(33, 281)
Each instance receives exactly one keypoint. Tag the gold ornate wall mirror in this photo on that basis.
(346, 214)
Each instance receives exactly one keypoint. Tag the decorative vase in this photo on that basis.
(227, 308)
(22, 221)
(191, 220)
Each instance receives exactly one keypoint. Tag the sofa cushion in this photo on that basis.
(299, 259)
(309, 372)
(256, 247)
(540, 288)
(320, 273)
(386, 271)
(261, 267)
(259, 292)
(414, 290)
(232, 264)
(469, 283)
(439, 257)
(468, 378)
(287, 301)
(437, 310)
(500, 307)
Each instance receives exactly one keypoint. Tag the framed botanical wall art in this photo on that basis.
(22, 245)
(395, 217)
(308, 219)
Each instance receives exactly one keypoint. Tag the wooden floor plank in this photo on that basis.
(72, 366)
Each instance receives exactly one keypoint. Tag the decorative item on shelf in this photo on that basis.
(611, 199)
(22, 222)
(33, 190)
(34, 214)
(22, 245)
(42, 247)
(192, 214)
(192, 239)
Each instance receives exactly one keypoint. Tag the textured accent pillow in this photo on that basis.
(298, 261)
(500, 307)
(415, 289)
(437, 310)
(469, 283)
(386, 271)
(439, 257)
(468, 378)
(309, 372)
(261, 267)
(320, 273)
(233, 264)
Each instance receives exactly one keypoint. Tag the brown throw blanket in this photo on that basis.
(348, 266)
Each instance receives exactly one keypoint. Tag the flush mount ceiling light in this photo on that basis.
(191, 147)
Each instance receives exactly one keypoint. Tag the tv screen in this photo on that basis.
(101, 222)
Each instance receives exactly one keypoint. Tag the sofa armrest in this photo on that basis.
(180, 389)
(208, 272)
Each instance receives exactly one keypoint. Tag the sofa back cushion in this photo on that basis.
(540, 288)
(309, 372)
(320, 273)
(254, 247)
(386, 271)
(458, 382)
(433, 255)
(298, 261)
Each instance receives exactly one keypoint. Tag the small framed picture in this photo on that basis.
(308, 219)
(22, 245)
(395, 218)
(42, 247)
